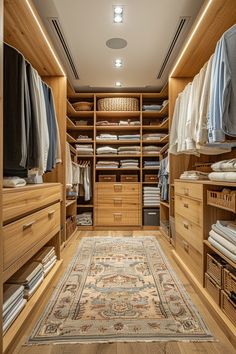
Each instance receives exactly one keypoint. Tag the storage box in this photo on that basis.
(229, 280)
(151, 217)
(212, 288)
(223, 200)
(215, 266)
(129, 178)
(151, 178)
(107, 178)
(228, 307)
(118, 104)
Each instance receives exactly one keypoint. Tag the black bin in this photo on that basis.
(151, 217)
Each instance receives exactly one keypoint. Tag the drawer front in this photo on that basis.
(21, 202)
(119, 217)
(189, 208)
(26, 232)
(103, 189)
(128, 201)
(192, 190)
(190, 256)
(190, 232)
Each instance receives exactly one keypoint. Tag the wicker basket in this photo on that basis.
(129, 178)
(107, 178)
(203, 167)
(83, 106)
(229, 280)
(212, 288)
(222, 200)
(118, 104)
(228, 307)
(215, 266)
(151, 178)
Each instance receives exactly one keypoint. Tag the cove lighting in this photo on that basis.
(118, 14)
(118, 63)
(118, 84)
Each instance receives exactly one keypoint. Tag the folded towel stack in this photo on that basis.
(13, 182)
(223, 237)
(194, 175)
(152, 107)
(13, 303)
(84, 219)
(106, 150)
(106, 137)
(30, 276)
(224, 171)
(83, 138)
(129, 150)
(106, 123)
(151, 164)
(129, 163)
(151, 196)
(151, 150)
(47, 257)
(84, 149)
(129, 137)
(107, 164)
(153, 136)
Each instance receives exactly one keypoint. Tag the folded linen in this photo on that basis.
(225, 243)
(13, 182)
(152, 107)
(222, 176)
(225, 166)
(127, 148)
(222, 249)
(106, 150)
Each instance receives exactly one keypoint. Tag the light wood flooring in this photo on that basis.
(220, 346)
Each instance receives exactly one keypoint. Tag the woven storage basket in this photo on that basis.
(118, 104)
(222, 200)
(228, 307)
(83, 106)
(229, 281)
(129, 178)
(215, 267)
(212, 288)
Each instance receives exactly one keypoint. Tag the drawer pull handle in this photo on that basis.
(186, 246)
(186, 205)
(152, 213)
(186, 226)
(27, 226)
(186, 191)
(117, 187)
(117, 216)
(50, 213)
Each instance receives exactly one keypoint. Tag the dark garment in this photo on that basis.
(15, 123)
(164, 179)
(52, 129)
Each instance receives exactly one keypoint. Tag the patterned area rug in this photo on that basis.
(119, 289)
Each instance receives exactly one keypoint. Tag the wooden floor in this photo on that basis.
(220, 346)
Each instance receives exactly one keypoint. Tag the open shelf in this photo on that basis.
(73, 150)
(151, 168)
(209, 245)
(156, 114)
(85, 205)
(147, 183)
(162, 126)
(118, 114)
(117, 169)
(164, 149)
(151, 206)
(81, 127)
(70, 139)
(71, 112)
(70, 202)
(118, 156)
(118, 127)
(167, 205)
(117, 142)
(151, 155)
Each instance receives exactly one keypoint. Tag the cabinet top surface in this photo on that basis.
(30, 187)
(208, 182)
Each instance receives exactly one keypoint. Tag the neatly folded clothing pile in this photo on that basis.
(47, 257)
(13, 182)
(13, 303)
(129, 122)
(134, 122)
(223, 237)
(152, 107)
(83, 138)
(151, 164)
(129, 150)
(84, 219)
(224, 171)
(106, 137)
(195, 175)
(107, 164)
(153, 136)
(129, 137)
(129, 163)
(106, 150)
(151, 196)
(83, 149)
(151, 150)
(30, 276)
(105, 122)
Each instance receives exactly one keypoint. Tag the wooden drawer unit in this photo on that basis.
(212, 288)
(191, 257)
(191, 209)
(192, 190)
(20, 236)
(113, 189)
(128, 201)
(189, 231)
(119, 217)
(17, 203)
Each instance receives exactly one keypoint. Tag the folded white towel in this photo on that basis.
(222, 176)
(13, 182)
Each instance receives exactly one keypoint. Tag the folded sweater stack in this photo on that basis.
(107, 164)
(129, 137)
(106, 150)
(84, 149)
(151, 196)
(224, 171)
(223, 237)
(151, 164)
(47, 257)
(13, 303)
(106, 137)
(153, 136)
(84, 219)
(129, 163)
(194, 175)
(129, 150)
(151, 150)
(152, 107)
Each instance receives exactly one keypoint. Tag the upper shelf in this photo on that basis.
(71, 112)
(162, 126)
(156, 114)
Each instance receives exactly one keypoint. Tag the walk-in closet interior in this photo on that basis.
(118, 176)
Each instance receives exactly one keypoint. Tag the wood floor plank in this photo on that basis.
(220, 346)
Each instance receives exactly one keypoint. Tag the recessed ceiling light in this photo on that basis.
(118, 13)
(118, 84)
(118, 19)
(118, 10)
(118, 63)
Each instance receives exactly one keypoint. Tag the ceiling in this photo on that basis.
(148, 27)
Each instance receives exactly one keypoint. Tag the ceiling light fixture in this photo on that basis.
(118, 84)
(118, 14)
(118, 63)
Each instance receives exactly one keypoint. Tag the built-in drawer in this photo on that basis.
(189, 208)
(20, 236)
(19, 202)
(190, 256)
(103, 189)
(192, 190)
(189, 231)
(117, 217)
(127, 201)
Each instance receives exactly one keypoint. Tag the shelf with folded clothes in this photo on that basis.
(81, 127)
(117, 156)
(117, 142)
(71, 112)
(162, 140)
(215, 250)
(156, 114)
(118, 127)
(118, 114)
(165, 204)
(222, 199)
(117, 169)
